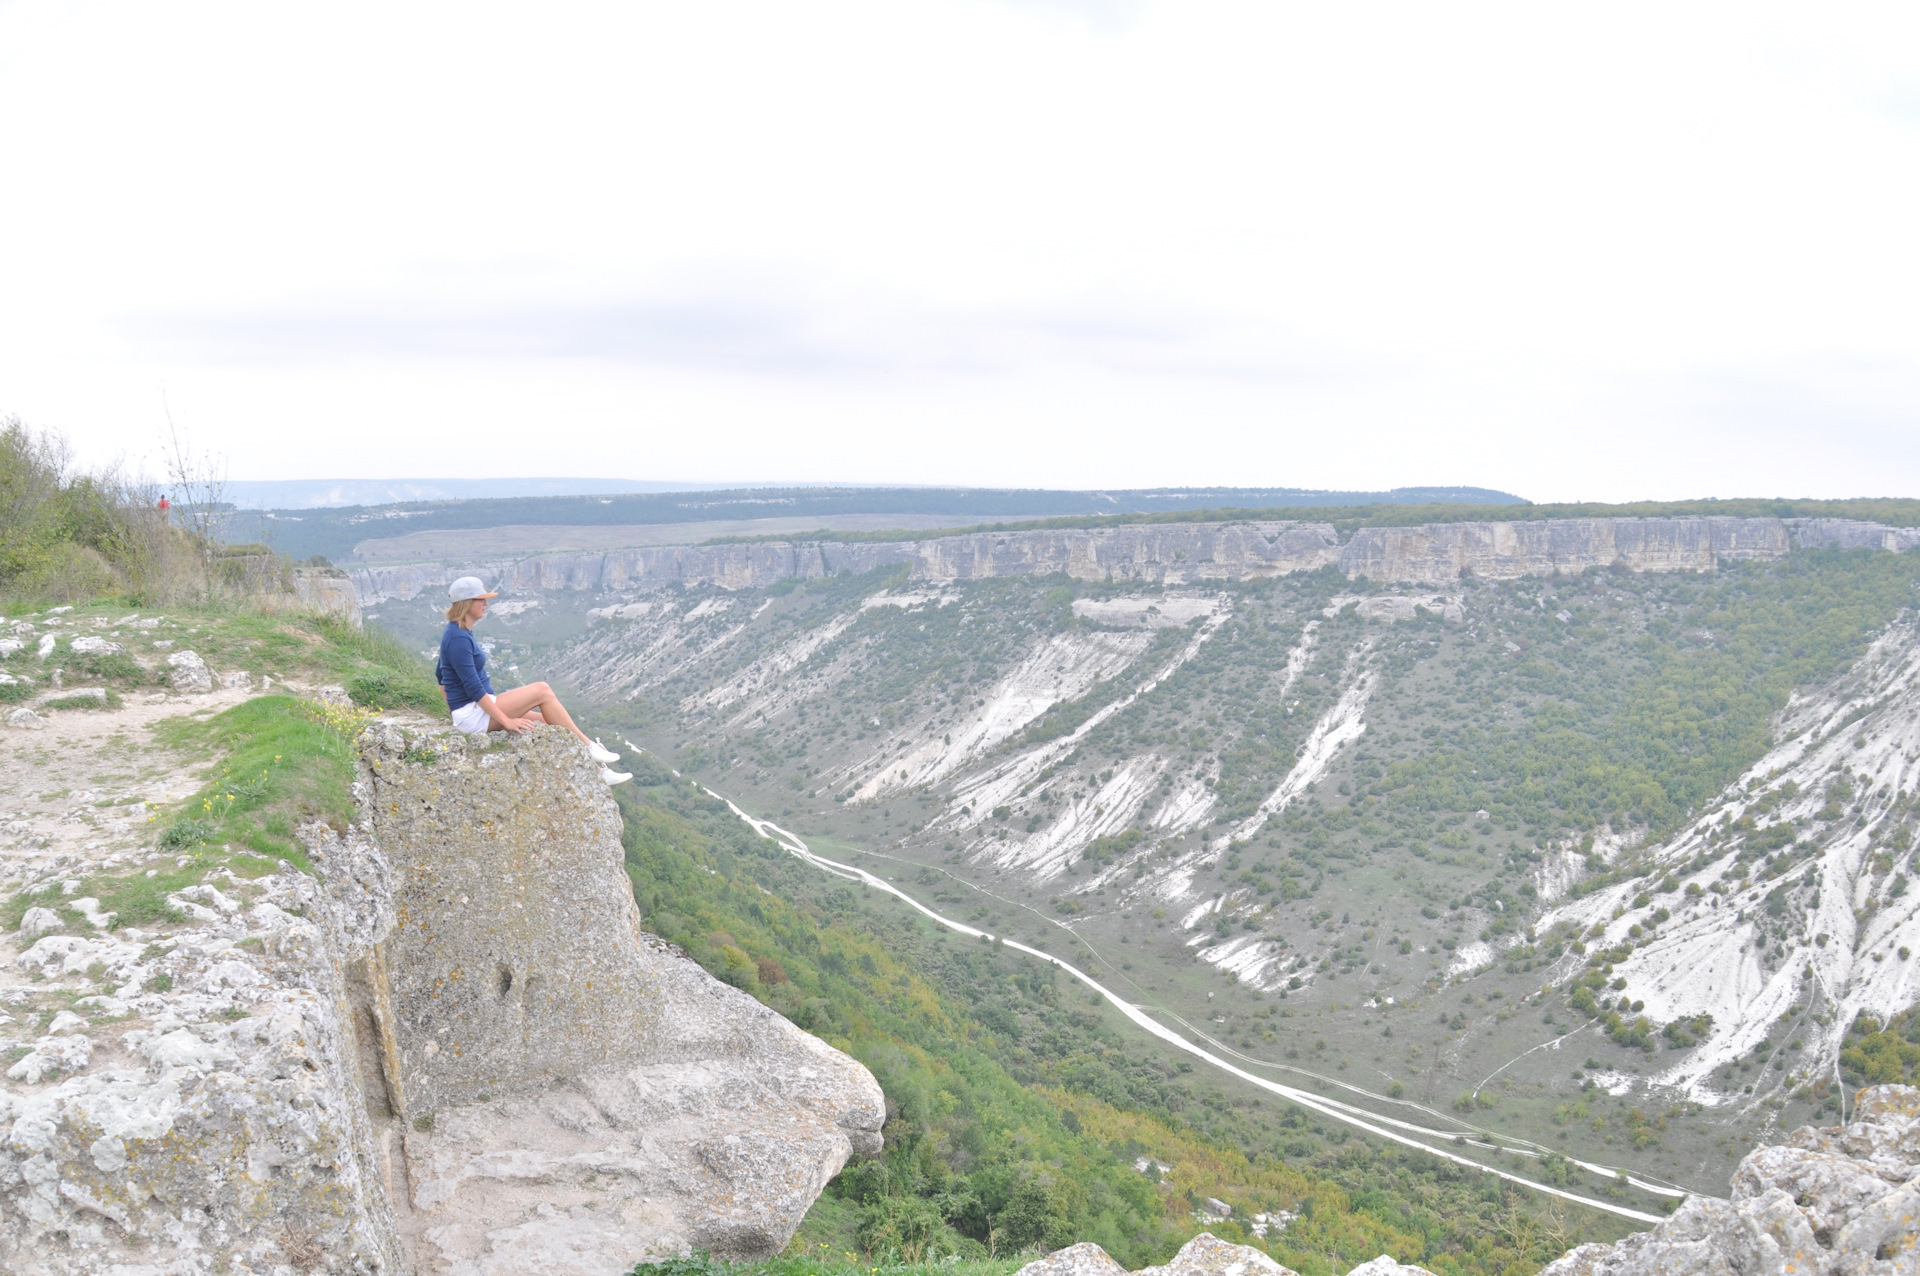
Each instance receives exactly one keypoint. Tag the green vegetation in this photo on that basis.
(67, 536)
(285, 763)
(1640, 718)
(1016, 1111)
(1535, 746)
(282, 762)
(1882, 1054)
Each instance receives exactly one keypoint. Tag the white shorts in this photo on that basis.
(472, 719)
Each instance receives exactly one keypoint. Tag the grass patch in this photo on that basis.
(823, 1260)
(394, 689)
(108, 701)
(116, 667)
(288, 762)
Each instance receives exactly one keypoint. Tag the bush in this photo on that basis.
(907, 1226)
(184, 835)
(67, 536)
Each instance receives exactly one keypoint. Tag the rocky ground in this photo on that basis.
(202, 1035)
(217, 1079)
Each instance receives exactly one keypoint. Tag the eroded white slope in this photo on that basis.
(1007, 784)
(763, 681)
(1835, 928)
(1060, 668)
(1255, 957)
(639, 646)
(1336, 728)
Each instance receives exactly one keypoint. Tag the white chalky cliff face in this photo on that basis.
(261, 1092)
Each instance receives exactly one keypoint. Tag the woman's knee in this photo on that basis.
(540, 689)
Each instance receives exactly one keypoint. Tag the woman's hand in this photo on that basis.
(501, 722)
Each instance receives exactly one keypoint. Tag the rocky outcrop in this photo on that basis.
(203, 1108)
(326, 591)
(453, 1050)
(1177, 554)
(1842, 1201)
(1507, 551)
(571, 1093)
(1204, 1255)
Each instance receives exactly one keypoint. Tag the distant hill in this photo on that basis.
(325, 493)
(333, 532)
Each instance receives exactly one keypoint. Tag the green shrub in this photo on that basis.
(184, 835)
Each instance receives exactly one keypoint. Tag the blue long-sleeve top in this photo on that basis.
(462, 669)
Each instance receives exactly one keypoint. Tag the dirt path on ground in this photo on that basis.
(77, 794)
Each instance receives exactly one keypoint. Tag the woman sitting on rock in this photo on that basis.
(462, 673)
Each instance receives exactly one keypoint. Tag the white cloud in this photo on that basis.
(1603, 254)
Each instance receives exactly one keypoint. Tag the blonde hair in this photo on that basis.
(457, 613)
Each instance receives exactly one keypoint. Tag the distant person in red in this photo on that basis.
(165, 509)
(462, 674)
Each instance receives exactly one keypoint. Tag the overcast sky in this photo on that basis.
(1577, 252)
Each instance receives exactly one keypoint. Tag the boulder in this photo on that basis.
(93, 645)
(40, 921)
(1385, 1266)
(1841, 1201)
(186, 672)
(545, 1056)
(26, 720)
(1083, 1259)
(1208, 1255)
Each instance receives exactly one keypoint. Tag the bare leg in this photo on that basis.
(537, 697)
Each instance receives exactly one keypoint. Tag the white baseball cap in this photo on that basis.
(468, 587)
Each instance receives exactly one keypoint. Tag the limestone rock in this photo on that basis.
(26, 720)
(1830, 1202)
(188, 673)
(566, 1084)
(1083, 1259)
(1829, 1188)
(1173, 554)
(93, 645)
(40, 921)
(225, 1126)
(1208, 1255)
(1385, 1266)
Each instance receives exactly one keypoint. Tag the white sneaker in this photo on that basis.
(601, 753)
(612, 776)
